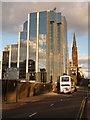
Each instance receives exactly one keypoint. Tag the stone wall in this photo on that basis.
(24, 89)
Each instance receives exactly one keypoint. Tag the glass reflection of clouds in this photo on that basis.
(23, 42)
(32, 42)
(42, 39)
(45, 24)
(14, 53)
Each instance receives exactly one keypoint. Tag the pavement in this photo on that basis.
(20, 102)
(12, 105)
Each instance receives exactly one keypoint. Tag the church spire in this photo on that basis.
(74, 52)
(74, 40)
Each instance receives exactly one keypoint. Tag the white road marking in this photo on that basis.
(61, 99)
(32, 114)
(51, 104)
(68, 96)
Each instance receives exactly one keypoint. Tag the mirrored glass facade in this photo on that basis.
(25, 26)
(65, 58)
(42, 40)
(22, 51)
(51, 49)
(58, 49)
(42, 46)
(32, 35)
(22, 43)
(14, 55)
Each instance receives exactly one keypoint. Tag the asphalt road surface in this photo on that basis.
(52, 106)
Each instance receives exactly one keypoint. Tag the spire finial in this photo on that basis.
(74, 39)
(74, 35)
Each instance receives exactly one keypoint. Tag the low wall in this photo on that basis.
(56, 87)
(9, 90)
(25, 89)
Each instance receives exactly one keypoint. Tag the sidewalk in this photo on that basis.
(12, 105)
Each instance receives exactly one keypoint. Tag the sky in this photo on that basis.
(15, 13)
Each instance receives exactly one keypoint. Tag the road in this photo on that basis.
(52, 106)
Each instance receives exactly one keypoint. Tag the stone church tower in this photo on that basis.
(74, 52)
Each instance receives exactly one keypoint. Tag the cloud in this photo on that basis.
(45, 0)
(77, 16)
(84, 63)
(83, 60)
(15, 13)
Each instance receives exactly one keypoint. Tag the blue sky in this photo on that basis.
(8, 39)
(14, 15)
(82, 44)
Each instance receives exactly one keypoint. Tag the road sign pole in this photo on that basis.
(17, 91)
(17, 85)
(7, 90)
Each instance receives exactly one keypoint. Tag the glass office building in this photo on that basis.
(22, 43)
(22, 51)
(42, 49)
(9, 58)
(47, 43)
(14, 55)
(44, 41)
